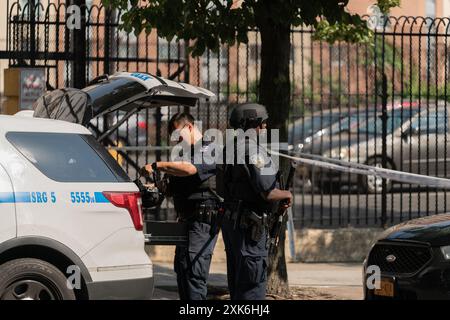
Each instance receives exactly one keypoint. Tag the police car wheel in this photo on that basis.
(33, 279)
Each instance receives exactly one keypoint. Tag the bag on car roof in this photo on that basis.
(67, 104)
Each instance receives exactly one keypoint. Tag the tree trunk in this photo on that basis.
(274, 85)
(274, 93)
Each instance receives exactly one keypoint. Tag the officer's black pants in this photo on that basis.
(246, 263)
(192, 262)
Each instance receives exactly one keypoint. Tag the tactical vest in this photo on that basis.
(187, 191)
(235, 181)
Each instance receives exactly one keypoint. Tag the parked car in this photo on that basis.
(415, 143)
(303, 130)
(355, 117)
(414, 261)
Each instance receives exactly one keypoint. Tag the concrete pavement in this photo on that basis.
(331, 280)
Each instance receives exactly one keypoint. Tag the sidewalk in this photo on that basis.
(332, 280)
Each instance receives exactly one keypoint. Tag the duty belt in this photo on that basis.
(211, 214)
(240, 214)
(205, 213)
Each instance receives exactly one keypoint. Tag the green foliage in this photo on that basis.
(385, 5)
(338, 31)
(206, 24)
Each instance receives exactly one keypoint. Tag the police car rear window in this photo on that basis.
(66, 157)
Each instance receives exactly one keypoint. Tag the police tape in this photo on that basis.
(363, 169)
(337, 165)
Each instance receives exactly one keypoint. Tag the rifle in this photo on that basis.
(277, 226)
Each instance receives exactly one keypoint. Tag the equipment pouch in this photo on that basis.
(256, 223)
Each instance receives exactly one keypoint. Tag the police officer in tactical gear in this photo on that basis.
(251, 193)
(196, 203)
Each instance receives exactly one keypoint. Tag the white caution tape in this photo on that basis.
(359, 168)
(338, 165)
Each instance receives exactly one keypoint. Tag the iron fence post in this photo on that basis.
(79, 49)
(107, 50)
(32, 48)
(159, 214)
(187, 75)
(384, 117)
(158, 117)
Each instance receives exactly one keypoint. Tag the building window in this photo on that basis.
(170, 50)
(430, 8)
(339, 55)
(127, 45)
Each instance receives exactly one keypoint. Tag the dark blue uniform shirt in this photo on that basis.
(189, 191)
(258, 175)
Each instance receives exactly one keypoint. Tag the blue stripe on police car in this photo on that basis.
(28, 197)
(50, 197)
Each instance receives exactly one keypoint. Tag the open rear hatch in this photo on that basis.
(132, 92)
(123, 91)
(129, 93)
(126, 91)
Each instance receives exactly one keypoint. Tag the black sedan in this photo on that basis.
(414, 260)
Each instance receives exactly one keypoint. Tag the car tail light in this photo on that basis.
(142, 125)
(130, 201)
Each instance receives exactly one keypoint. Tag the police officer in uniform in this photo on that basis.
(196, 203)
(251, 193)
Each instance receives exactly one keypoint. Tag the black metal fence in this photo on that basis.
(382, 103)
(386, 102)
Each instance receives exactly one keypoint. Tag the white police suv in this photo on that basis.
(70, 218)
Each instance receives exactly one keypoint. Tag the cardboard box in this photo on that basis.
(10, 105)
(12, 82)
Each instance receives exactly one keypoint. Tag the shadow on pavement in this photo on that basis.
(166, 284)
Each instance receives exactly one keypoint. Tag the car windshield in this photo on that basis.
(307, 126)
(372, 124)
(431, 122)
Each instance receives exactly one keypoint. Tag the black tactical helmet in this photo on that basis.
(248, 115)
